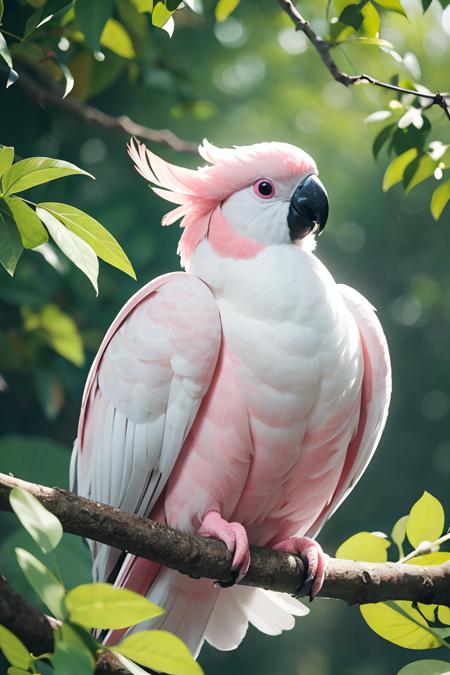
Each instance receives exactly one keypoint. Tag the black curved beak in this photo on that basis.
(308, 209)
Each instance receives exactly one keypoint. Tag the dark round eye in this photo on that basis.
(264, 188)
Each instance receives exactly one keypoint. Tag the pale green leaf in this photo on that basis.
(392, 6)
(43, 582)
(396, 169)
(104, 606)
(80, 253)
(410, 631)
(94, 234)
(224, 8)
(370, 27)
(369, 41)
(195, 5)
(116, 38)
(436, 558)
(444, 614)
(69, 659)
(33, 171)
(420, 169)
(428, 611)
(364, 546)
(32, 232)
(398, 533)
(4, 51)
(426, 667)
(12, 670)
(10, 243)
(43, 526)
(439, 199)
(6, 158)
(159, 650)
(62, 334)
(426, 520)
(13, 649)
(160, 15)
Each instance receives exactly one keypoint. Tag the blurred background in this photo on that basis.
(248, 79)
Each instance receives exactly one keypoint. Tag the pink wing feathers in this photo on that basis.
(142, 396)
(375, 398)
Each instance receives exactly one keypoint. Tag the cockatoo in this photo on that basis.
(240, 399)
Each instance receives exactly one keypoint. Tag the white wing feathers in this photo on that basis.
(143, 395)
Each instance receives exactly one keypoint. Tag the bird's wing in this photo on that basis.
(142, 395)
(375, 398)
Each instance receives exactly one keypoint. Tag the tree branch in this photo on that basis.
(44, 96)
(323, 47)
(353, 582)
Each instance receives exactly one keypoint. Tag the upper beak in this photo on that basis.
(308, 208)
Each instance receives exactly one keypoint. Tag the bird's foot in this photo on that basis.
(234, 536)
(311, 552)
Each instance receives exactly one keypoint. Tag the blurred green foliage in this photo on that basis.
(245, 79)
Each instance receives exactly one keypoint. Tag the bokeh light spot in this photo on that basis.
(350, 237)
(407, 310)
(434, 405)
(93, 151)
(231, 33)
(291, 41)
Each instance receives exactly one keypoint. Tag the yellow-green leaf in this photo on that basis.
(444, 614)
(28, 173)
(419, 170)
(10, 243)
(94, 234)
(392, 6)
(80, 253)
(6, 158)
(104, 606)
(159, 650)
(440, 198)
(411, 631)
(224, 8)
(13, 649)
(426, 667)
(31, 230)
(428, 611)
(398, 534)
(43, 526)
(72, 660)
(396, 169)
(426, 520)
(143, 5)
(43, 582)
(436, 558)
(364, 546)
(116, 38)
(60, 331)
(12, 670)
(160, 15)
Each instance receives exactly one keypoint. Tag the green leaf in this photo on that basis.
(69, 659)
(444, 614)
(80, 253)
(426, 667)
(381, 138)
(440, 198)
(160, 15)
(224, 8)
(370, 41)
(4, 51)
(6, 158)
(14, 650)
(43, 14)
(43, 582)
(428, 611)
(392, 6)
(426, 4)
(94, 234)
(159, 650)
(32, 232)
(421, 168)
(398, 534)
(426, 520)
(143, 5)
(396, 169)
(104, 606)
(2, 8)
(12, 670)
(43, 526)
(406, 627)
(60, 331)
(435, 558)
(352, 16)
(116, 38)
(10, 244)
(33, 171)
(364, 546)
(91, 18)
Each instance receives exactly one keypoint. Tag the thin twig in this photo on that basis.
(44, 96)
(323, 48)
(353, 582)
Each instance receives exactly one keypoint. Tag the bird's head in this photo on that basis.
(245, 199)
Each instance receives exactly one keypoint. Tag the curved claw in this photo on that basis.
(311, 552)
(235, 538)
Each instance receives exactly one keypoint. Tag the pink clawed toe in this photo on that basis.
(234, 536)
(315, 557)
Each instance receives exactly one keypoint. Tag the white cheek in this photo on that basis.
(263, 220)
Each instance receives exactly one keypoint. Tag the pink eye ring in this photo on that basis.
(264, 188)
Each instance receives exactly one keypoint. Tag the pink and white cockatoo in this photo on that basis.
(240, 399)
